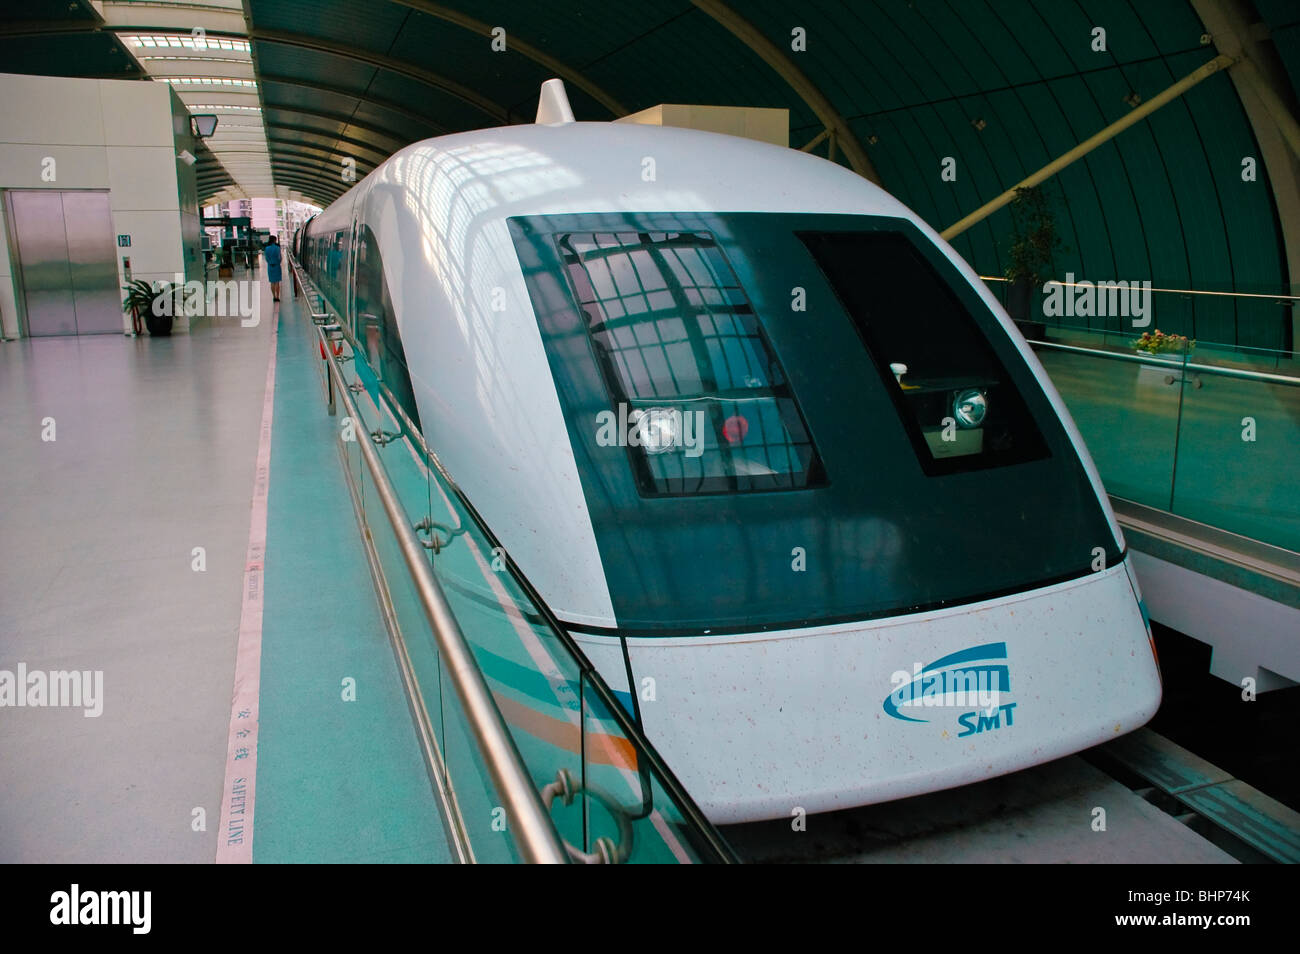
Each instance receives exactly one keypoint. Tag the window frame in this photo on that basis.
(1036, 445)
(812, 474)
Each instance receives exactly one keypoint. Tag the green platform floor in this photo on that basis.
(336, 781)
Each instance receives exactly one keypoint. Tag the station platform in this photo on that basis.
(154, 453)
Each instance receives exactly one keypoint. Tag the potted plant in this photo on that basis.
(157, 305)
(1029, 258)
(1156, 344)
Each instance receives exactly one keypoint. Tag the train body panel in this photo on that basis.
(469, 264)
(1020, 681)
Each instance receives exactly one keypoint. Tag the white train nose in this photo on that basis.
(822, 719)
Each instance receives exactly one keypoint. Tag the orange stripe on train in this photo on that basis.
(602, 748)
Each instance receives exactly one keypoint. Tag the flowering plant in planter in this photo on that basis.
(1158, 342)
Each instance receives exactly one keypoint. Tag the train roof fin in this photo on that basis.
(553, 105)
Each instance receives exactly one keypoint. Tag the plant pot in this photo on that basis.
(160, 326)
(1033, 330)
(1020, 300)
(1155, 375)
(1151, 375)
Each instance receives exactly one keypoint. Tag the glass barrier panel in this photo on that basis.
(1242, 316)
(533, 677)
(1238, 452)
(1127, 413)
(402, 465)
(627, 802)
(481, 815)
(484, 819)
(1195, 437)
(351, 432)
(1245, 359)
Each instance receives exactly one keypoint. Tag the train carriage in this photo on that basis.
(763, 442)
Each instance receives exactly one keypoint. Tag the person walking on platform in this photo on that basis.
(272, 254)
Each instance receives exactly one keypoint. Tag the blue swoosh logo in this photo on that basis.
(988, 660)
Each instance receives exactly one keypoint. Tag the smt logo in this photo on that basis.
(973, 678)
(102, 907)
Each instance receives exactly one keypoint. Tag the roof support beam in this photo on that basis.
(330, 173)
(331, 136)
(815, 141)
(305, 174)
(398, 108)
(305, 182)
(164, 17)
(1131, 118)
(306, 194)
(340, 118)
(19, 27)
(281, 145)
(309, 194)
(304, 42)
(322, 180)
(806, 89)
(1263, 88)
(567, 73)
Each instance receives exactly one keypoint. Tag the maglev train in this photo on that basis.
(763, 442)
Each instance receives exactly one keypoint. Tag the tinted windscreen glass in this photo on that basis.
(958, 403)
(702, 403)
(791, 321)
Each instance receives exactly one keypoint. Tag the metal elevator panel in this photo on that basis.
(92, 262)
(43, 262)
(66, 261)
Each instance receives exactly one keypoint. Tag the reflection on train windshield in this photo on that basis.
(703, 402)
(780, 329)
(957, 402)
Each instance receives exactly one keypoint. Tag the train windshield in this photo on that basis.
(785, 419)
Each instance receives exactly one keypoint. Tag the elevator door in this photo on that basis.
(67, 262)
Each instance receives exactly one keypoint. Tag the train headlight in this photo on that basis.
(659, 429)
(969, 407)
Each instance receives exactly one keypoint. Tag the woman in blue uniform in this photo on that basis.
(272, 253)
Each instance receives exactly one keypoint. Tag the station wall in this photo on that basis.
(121, 135)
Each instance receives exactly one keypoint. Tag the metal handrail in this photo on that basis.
(538, 840)
(1280, 297)
(1157, 361)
